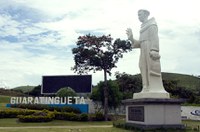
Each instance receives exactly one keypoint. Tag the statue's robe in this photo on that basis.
(149, 41)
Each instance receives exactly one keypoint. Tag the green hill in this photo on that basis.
(24, 89)
(183, 80)
(187, 81)
(4, 99)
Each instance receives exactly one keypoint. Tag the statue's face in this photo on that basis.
(142, 16)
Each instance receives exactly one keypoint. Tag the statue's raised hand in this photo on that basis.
(129, 33)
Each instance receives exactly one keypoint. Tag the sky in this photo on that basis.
(37, 36)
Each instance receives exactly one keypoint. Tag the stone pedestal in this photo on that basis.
(153, 113)
(158, 95)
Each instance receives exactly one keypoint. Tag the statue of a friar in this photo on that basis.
(149, 62)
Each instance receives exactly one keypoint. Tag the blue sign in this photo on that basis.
(84, 108)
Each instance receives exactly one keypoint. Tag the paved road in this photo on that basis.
(35, 127)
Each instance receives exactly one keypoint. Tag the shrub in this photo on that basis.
(98, 116)
(74, 117)
(42, 116)
(15, 113)
(70, 116)
(83, 117)
(66, 116)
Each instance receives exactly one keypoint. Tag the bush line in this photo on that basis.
(46, 115)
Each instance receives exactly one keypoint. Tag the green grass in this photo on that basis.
(12, 122)
(4, 99)
(187, 81)
(192, 125)
(98, 126)
(112, 129)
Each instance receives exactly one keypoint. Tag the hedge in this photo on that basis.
(83, 117)
(79, 117)
(42, 116)
(45, 115)
(98, 116)
(15, 113)
(71, 116)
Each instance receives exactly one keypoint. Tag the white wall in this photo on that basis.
(190, 112)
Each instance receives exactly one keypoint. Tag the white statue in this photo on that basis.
(149, 62)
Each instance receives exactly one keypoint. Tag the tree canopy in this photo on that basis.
(98, 53)
(115, 96)
(65, 92)
(128, 84)
(36, 91)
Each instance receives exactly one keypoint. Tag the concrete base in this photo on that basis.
(159, 95)
(153, 113)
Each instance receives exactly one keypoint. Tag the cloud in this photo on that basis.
(18, 65)
(8, 26)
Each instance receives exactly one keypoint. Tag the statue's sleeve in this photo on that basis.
(136, 44)
(154, 38)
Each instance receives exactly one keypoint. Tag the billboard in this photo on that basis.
(190, 112)
(79, 83)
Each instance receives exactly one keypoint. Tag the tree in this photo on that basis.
(36, 91)
(65, 92)
(96, 54)
(115, 96)
(128, 84)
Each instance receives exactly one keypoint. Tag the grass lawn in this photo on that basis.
(191, 124)
(112, 129)
(12, 122)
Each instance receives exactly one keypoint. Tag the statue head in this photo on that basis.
(143, 15)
